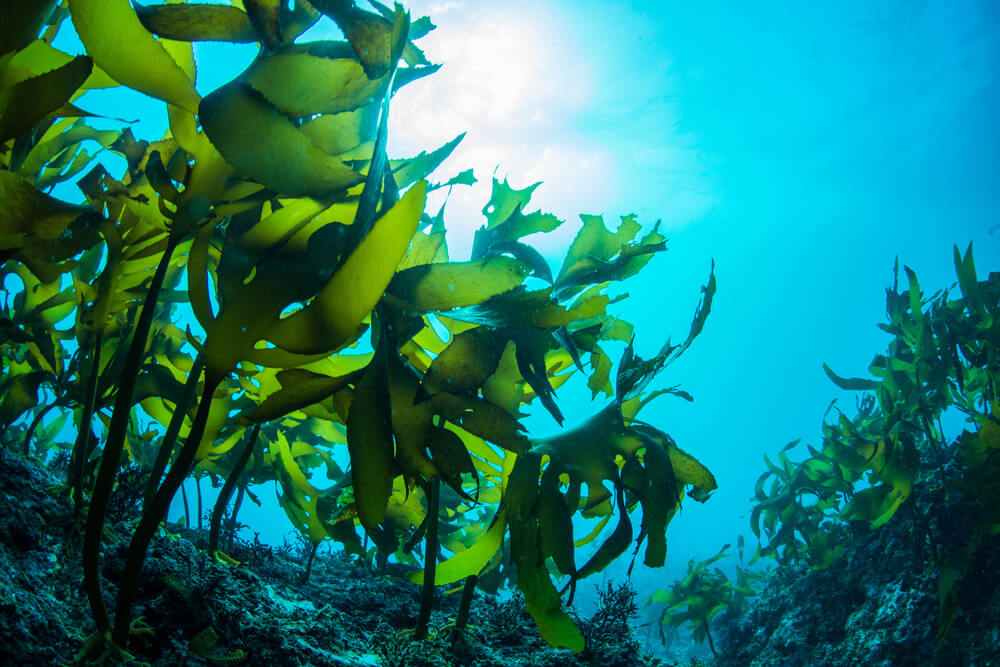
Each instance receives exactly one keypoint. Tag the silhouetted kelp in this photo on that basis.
(944, 355)
(272, 211)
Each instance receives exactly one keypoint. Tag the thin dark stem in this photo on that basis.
(466, 604)
(78, 460)
(115, 443)
(227, 490)
(197, 490)
(187, 510)
(309, 562)
(34, 424)
(231, 523)
(430, 561)
(173, 430)
(154, 513)
(708, 634)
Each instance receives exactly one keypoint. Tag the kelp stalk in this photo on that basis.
(231, 522)
(197, 491)
(173, 430)
(430, 560)
(708, 635)
(466, 603)
(154, 513)
(34, 424)
(78, 459)
(228, 488)
(187, 508)
(111, 457)
(309, 561)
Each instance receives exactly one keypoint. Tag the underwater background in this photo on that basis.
(795, 150)
(802, 147)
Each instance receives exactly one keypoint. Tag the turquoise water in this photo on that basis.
(801, 147)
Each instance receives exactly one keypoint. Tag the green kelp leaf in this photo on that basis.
(613, 547)
(850, 384)
(483, 419)
(157, 381)
(377, 41)
(22, 21)
(197, 22)
(629, 259)
(466, 363)
(265, 145)
(505, 201)
(444, 286)
(428, 246)
(531, 348)
(421, 27)
(338, 133)
(299, 388)
(411, 54)
(596, 242)
(333, 318)
(21, 394)
(916, 308)
(529, 310)
(64, 136)
(411, 421)
(524, 253)
(296, 21)
(265, 15)
(634, 373)
(451, 458)
(122, 47)
(505, 387)
(965, 267)
(302, 83)
(39, 57)
(689, 470)
(506, 233)
(600, 379)
(27, 102)
(68, 165)
(473, 559)
(410, 171)
(660, 499)
(369, 441)
(555, 523)
(299, 498)
(540, 596)
(321, 77)
(464, 177)
(40, 230)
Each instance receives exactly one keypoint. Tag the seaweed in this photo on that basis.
(702, 594)
(332, 315)
(943, 356)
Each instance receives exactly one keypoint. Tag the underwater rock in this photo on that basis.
(878, 604)
(259, 613)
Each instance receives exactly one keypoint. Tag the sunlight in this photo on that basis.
(515, 82)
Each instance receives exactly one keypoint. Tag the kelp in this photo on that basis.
(701, 594)
(329, 313)
(943, 356)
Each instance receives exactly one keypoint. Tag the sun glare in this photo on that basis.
(514, 81)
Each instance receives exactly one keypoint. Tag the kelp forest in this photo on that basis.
(262, 301)
(262, 288)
